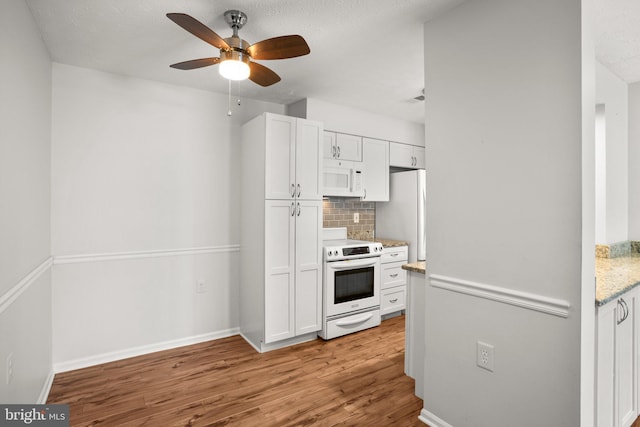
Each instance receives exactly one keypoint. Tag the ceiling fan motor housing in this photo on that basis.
(238, 51)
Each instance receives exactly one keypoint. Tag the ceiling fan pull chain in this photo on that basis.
(229, 104)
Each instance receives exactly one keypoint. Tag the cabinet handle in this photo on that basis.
(394, 254)
(365, 194)
(298, 209)
(293, 190)
(625, 310)
(392, 301)
(299, 190)
(293, 209)
(394, 275)
(338, 147)
(333, 151)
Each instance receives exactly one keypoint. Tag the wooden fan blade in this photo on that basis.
(195, 63)
(279, 48)
(198, 29)
(262, 75)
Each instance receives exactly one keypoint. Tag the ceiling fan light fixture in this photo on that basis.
(234, 65)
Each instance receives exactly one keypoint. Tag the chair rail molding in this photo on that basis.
(112, 256)
(541, 303)
(10, 296)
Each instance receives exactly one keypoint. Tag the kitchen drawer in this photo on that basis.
(352, 323)
(393, 300)
(400, 253)
(393, 275)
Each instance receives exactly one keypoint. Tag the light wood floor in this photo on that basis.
(355, 380)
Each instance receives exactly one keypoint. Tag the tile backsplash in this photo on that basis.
(338, 212)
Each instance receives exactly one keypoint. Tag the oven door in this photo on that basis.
(351, 285)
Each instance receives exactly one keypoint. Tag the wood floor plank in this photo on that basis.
(352, 381)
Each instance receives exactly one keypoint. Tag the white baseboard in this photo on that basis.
(138, 351)
(432, 420)
(46, 388)
(281, 344)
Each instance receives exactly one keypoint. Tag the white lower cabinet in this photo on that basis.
(393, 280)
(617, 361)
(293, 252)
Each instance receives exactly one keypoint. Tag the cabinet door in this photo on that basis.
(328, 145)
(376, 170)
(308, 160)
(308, 294)
(419, 157)
(349, 147)
(279, 157)
(617, 362)
(606, 367)
(280, 270)
(401, 155)
(626, 360)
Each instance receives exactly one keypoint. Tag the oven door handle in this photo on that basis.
(355, 320)
(356, 263)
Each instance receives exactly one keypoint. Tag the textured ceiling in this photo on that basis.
(618, 37)
(364, 53)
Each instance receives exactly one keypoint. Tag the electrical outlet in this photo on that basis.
(9, 368)
(484, 355)
(201, 287)
(356, 218)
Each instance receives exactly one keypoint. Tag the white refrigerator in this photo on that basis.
(403, 216)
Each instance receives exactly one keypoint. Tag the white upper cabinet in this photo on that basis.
(280, 157)
(308, 160)
(406, 156)
(376, 170)
(341, 146)
(292, 158)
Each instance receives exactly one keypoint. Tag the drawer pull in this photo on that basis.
(355, 320)
(394, 275)
(392, 301)
(394, 254)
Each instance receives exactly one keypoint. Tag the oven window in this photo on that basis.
(353, 284)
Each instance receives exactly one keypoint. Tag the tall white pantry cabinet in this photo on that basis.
(281, 231)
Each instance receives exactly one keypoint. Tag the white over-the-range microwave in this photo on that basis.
(343, 178)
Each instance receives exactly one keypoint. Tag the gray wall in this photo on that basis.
(25, 254)
(504, 212)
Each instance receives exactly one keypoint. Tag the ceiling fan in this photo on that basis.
(236, 55)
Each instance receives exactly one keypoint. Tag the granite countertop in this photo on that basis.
(616, 276)
(390, 243)
(416, 267)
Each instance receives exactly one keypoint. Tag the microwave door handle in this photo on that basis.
(351, 180)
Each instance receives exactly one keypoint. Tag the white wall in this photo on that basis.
(25, 128)
(634, 161)
(145, 182)
(504, 213)
(612, 92)
(601, 175)
(340, 118)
